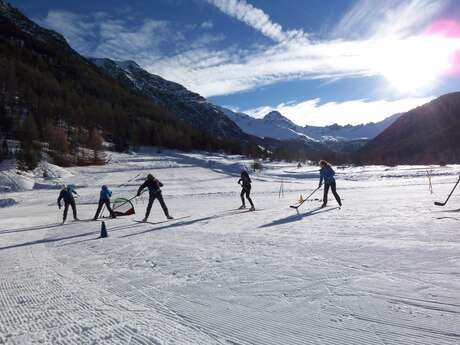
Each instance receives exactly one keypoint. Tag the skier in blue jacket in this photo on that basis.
(104, 199)
(326, 174)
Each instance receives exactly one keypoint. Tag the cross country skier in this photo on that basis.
(154, 193)
(326, 173)
(245, 182)
(67, 193)
(104, 199)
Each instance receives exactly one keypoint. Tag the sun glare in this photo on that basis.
(416, 63)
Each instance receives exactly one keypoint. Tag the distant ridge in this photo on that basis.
(429, 134)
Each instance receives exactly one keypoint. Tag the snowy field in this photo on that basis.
(384, 269)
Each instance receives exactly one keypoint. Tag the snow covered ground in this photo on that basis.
(384, 269)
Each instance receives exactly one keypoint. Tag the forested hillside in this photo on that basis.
(53, 98)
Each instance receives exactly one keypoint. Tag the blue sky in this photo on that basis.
(318, 62)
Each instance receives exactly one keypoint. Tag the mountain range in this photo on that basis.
(49, 91)
(277, 126)
(225, 123)
(429, 134)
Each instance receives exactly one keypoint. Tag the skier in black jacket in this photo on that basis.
(67, 193)
(245, 182)
(154, 193)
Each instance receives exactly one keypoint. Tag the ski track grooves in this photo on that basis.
(55, 307)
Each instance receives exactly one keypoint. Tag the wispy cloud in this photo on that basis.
(314, 113)
(102, 35)
(207, 24)
(374, 18)
(256, 18)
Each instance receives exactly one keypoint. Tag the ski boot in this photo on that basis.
(242, 207)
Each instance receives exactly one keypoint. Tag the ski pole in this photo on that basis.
(312, 193)
(102, 212)
(437, 203)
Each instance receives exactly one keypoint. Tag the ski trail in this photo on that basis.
(46, 303)
(372, 273)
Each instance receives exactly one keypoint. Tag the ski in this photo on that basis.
(437, 203)
(160, 222)
(151, 223)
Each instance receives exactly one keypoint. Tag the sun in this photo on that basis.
(413, 64)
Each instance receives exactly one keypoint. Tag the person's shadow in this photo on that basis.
(298, 216)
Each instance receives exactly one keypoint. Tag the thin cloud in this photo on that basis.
(256, 18)
(207, 24)
(375, 18)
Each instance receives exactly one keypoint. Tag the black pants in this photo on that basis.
(99, 208)
(152, 198)
(246, 191)
(66, 209)
(333, 189)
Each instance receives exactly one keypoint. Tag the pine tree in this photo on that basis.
(29, 148)
(4, 152)
(95, 142)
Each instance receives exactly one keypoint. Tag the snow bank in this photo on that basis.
(50, 171)
(7, 202)
(15, 181)
(41, 185)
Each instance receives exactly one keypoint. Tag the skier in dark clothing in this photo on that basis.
(104, 199)
(154, 193)
(326, 173)
(245, 182)
(66, 194)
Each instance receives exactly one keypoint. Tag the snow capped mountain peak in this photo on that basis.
(4, 6)
(128, 64)
(274, 115)
(277, 118)
(11, 14)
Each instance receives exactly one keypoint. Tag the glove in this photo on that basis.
(320, 185)
(138, 194)
(59, 206)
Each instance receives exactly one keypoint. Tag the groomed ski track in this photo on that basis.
(384, 269)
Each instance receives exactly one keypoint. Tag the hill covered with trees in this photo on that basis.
(53, 100)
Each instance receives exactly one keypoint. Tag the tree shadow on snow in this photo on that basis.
(298, 216)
